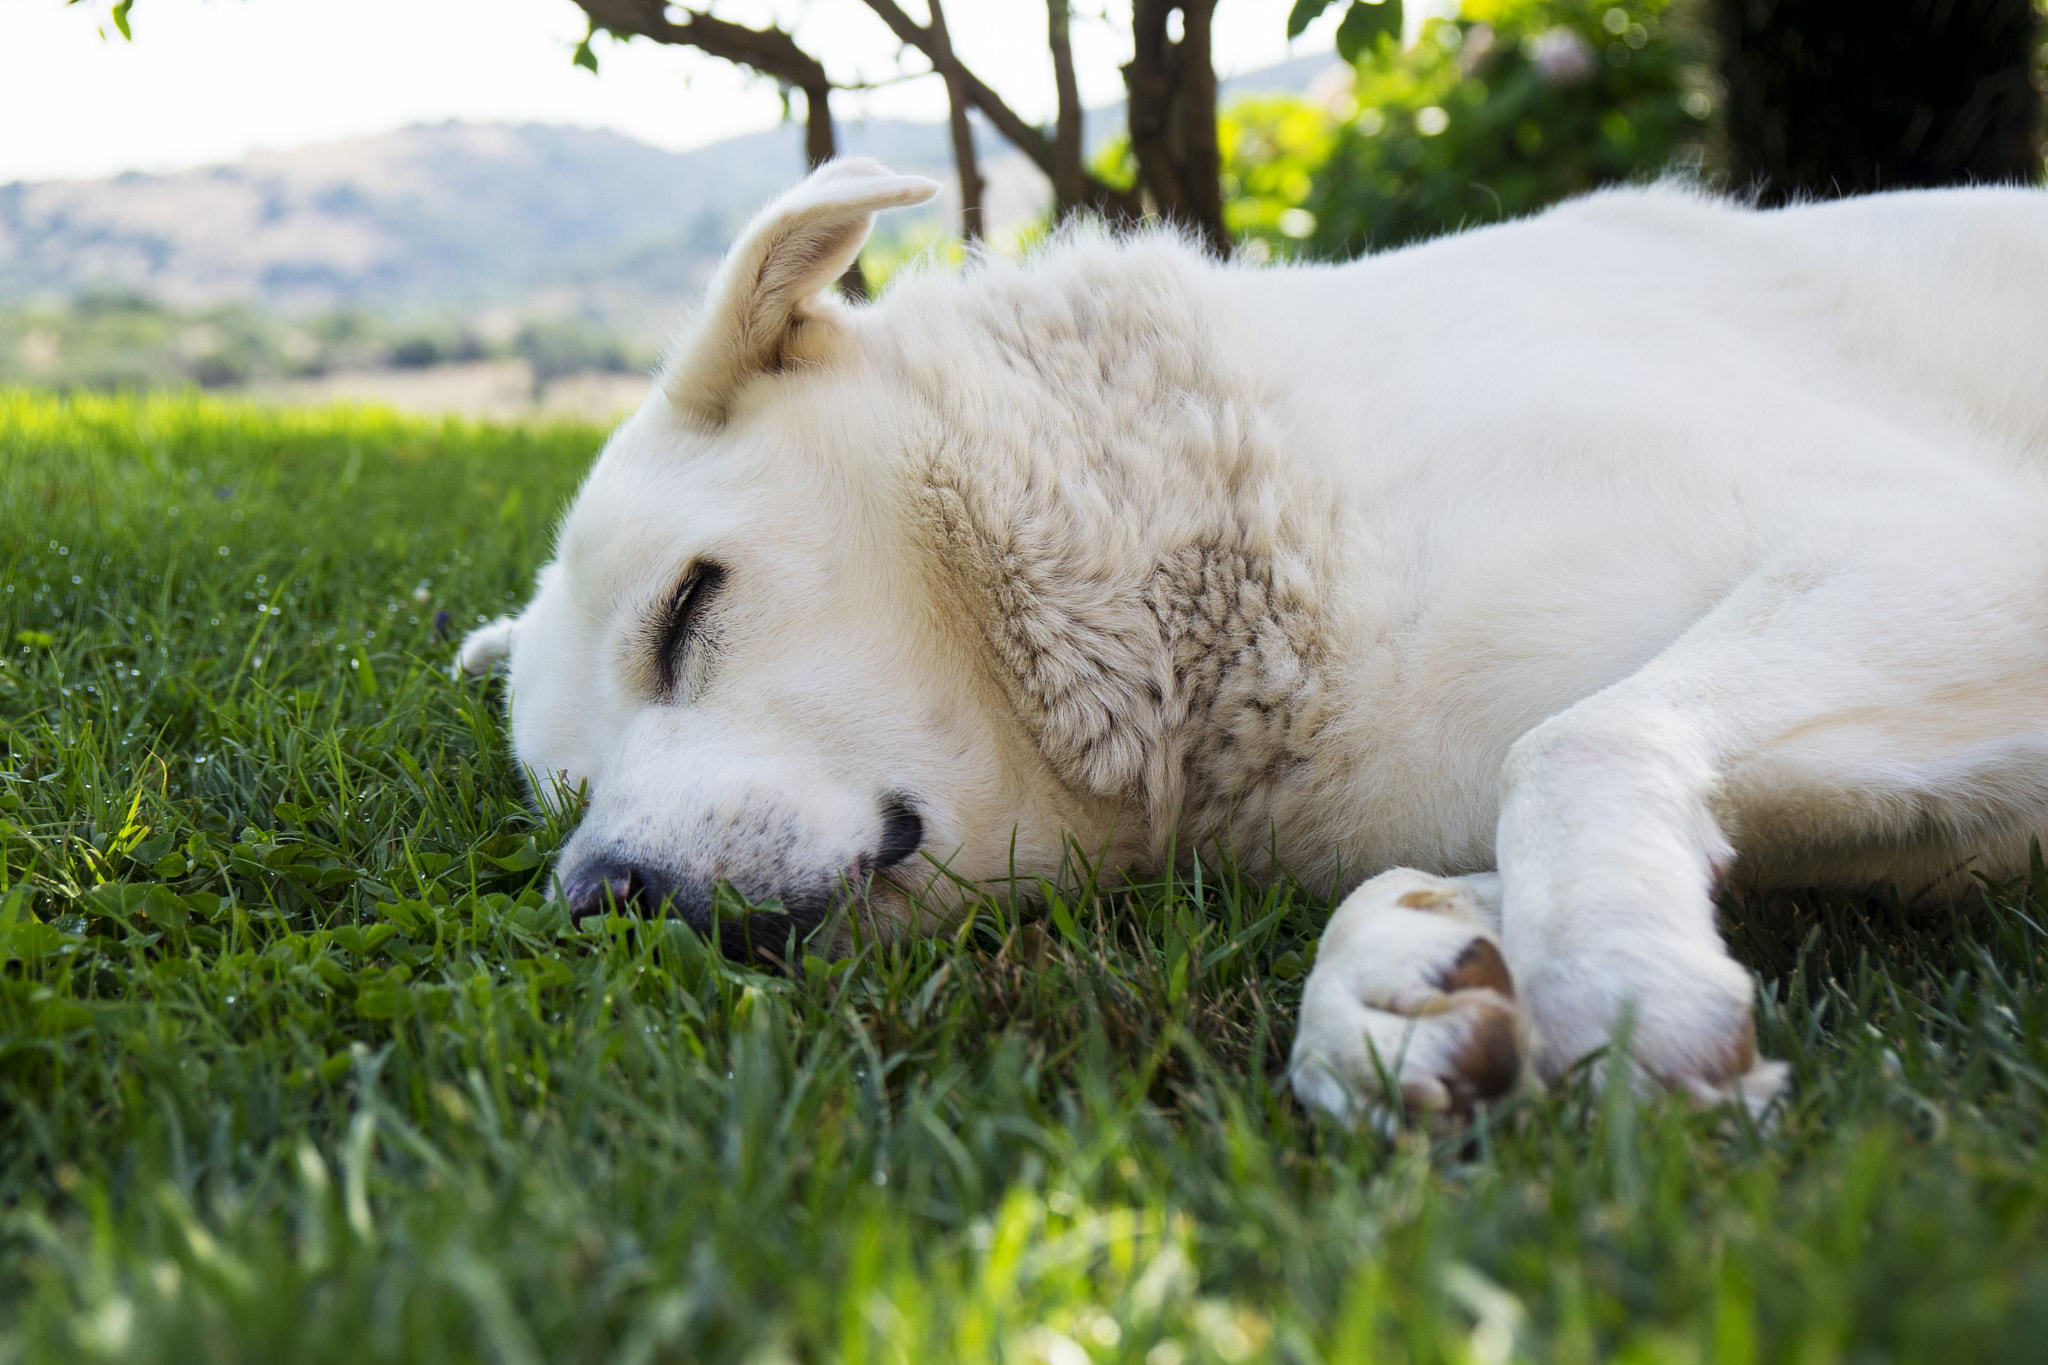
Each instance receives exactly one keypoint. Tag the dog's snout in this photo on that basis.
(902, 833)
(589, 892)
(616, 885)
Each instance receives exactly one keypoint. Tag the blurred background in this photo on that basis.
(498, 207)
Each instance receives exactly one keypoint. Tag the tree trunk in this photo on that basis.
(957, 102)
(1066, 138)
(1836, 97)
(821, 142)
(1172, 86)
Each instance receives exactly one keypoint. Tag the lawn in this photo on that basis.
(298, 1062)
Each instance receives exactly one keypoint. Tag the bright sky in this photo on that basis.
(210, 80)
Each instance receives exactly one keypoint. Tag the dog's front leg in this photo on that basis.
(1809, 704)
(1610, 856)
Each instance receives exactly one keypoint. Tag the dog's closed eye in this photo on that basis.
(679, 625)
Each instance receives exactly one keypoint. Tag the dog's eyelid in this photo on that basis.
(678, 625)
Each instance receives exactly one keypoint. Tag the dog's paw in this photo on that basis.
(1730, 1074)
(1683, 1011)
(1756, 1089)
(484, 649)
(1410, 994)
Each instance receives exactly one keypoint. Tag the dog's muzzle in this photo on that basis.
(638, 881)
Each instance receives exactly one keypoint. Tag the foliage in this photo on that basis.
(108, 340)
(112, 341)
(901, 242)
(299, 1062)
(1512, 105)
(1363, 24)
(1273, 146)
(569, 346)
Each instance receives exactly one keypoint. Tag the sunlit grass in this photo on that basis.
(298, 1062)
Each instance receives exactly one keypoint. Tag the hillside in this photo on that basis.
(453, 217)
(459, 219)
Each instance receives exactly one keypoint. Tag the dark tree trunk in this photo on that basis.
(957, 101)
(821, 143)
(1835, 97)
(1172, 88)
(1066, 138)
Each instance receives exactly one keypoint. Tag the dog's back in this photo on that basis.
(1941, 295)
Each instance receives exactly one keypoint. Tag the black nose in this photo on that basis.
(902, 832)
(597, 889)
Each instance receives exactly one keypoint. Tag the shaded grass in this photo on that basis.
(297, 1061)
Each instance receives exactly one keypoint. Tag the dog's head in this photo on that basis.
(739, 653)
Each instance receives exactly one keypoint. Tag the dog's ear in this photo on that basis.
(768, 288)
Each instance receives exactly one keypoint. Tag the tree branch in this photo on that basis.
(1106, 199)
(769, 51)
(948, 66)
(1066, 139)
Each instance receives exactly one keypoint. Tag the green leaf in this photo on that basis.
(61, 1016)
(416, 918)
(282, 857)
(584, 57)
(547, 921)
(121, 9)
(35, 639)
(364, 941)
(1063, 920)
(366, 677)
(165, 908)
(383, 995)
(520, 859)
(412, 769)
(1304, 13)
(1364, 24)
(116, 900)
(545, 971)
(13, 922)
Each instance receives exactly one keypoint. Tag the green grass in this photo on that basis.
(298, 1063)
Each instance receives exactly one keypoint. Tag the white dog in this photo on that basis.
(1566, 567)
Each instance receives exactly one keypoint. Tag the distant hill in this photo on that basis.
(454, 218)
(425, 219)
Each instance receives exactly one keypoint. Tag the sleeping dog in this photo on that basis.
(1547, 574)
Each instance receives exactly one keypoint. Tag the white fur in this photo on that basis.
(1646, 542)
